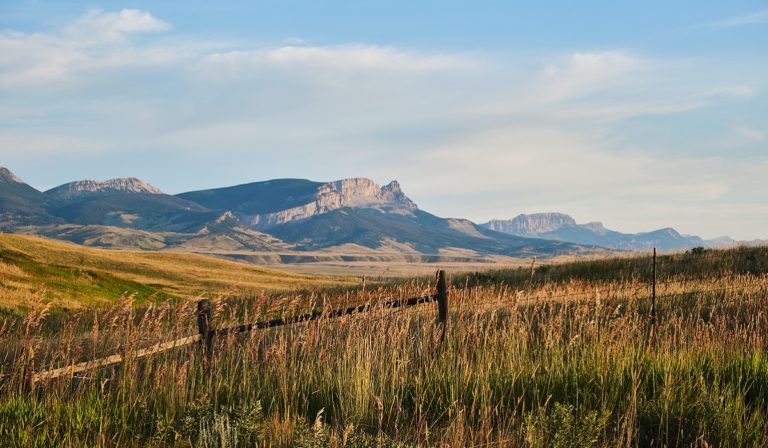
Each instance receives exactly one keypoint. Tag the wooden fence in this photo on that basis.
(207, 333)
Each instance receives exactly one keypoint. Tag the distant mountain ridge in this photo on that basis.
(531, 224)
(82, 189)
(354, 215)
(562, 227)
(301, 199)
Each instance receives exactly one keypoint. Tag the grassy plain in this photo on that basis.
(566, 356)
(34, 269)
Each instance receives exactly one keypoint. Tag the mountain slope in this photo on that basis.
(263, 205)
(19, 202)
(561, 227)
(156, 212)
(257, 197)
(420, 231)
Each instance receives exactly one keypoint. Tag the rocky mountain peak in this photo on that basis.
(595, 226)
(394, 194)
(8, 176)
(89, 188)
(393, 187)
(532, 224)
(356, 192)
(363, 192)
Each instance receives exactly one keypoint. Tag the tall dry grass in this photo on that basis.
(567, 362)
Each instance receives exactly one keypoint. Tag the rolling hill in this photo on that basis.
(66, 275)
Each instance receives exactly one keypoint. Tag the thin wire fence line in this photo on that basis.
(536, 298)
(662, 259)
(685, 280)
(725, 288)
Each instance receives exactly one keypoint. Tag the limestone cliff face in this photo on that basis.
(533, 224)
(90, 188)
(355, 193)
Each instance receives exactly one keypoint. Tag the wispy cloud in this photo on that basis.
(749, 134)
(97, 39)
(583, 73)
(518, 133)
(102, 25)
(755, 18)
(339, 58)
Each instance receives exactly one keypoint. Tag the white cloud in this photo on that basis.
(337, 58)
(468, 135)
(728, 92)
(756, 18)
(505, 171)
(12, 144)
(585, 73)
(97, 39)
(749, 134)
(101, 25)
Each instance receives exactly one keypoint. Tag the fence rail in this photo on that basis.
(206, 333)
(114, 359)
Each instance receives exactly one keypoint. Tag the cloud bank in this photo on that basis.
(477, 135)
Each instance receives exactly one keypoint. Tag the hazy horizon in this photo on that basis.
(640, 116)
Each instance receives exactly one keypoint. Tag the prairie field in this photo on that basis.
(68, 276)
(561, 355)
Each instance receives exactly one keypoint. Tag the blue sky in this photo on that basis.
(639, 114)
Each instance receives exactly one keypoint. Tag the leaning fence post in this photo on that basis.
(204, 318)
(653, 291)
(442, 301)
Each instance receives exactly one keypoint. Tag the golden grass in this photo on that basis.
(566, 356)
(73, 275)
(522, 365)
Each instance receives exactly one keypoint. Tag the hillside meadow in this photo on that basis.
(62, 275)
(566, 356)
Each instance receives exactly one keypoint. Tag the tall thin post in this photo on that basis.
(653, 293)
(204, 318)
(442, 301)
(29, 369)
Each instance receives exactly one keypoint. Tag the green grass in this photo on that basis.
(740, 260)
(520, 366)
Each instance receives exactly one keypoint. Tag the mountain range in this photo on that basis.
(272, 221)
(562, 227)
(294, 220)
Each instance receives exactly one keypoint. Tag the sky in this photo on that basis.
(639, 114)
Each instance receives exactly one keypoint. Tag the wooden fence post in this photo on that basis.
(442, 301)
(653, 292)
(29, 370)
(204, 319)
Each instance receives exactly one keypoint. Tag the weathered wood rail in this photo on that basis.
(207, 333)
